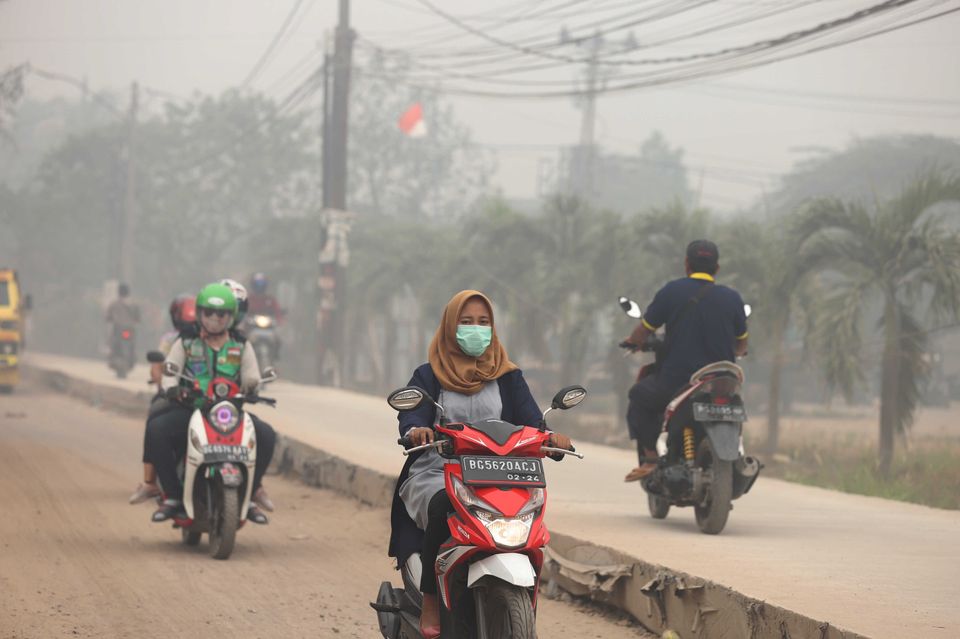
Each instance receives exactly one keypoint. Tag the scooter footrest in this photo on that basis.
(384, 607)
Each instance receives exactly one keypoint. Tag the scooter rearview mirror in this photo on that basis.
(155, 357)
(631, 308)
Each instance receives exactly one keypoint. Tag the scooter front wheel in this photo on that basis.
(659, 506)
(224, 520)
(508, 610)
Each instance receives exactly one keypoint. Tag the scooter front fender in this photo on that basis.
(512, 567)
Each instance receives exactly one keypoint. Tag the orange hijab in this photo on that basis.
(456, 370)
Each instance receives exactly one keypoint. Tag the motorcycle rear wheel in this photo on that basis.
(712, 513)
(224, 520)
(509, 611)
(659, 506)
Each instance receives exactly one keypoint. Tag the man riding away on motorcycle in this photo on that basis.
(705, 323)
(212, 353)
(122, 314)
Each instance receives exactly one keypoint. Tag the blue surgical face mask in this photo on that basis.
(474, 339)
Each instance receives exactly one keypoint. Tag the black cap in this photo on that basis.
(703, 254)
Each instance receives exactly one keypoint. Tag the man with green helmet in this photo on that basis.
(215, 351)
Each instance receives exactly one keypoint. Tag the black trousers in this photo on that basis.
(165, 444)
(648, 399)
(436, 533)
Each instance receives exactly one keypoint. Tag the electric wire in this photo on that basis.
(268, 52)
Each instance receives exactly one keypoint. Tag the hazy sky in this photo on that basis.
(739, 131)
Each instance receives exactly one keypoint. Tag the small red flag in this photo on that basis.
(411, 122)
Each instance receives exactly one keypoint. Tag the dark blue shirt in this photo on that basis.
(701, 335)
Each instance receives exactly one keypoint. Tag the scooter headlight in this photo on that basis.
(507, 532)
(224, 416)
(263, 321)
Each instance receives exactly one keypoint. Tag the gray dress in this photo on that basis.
(426, 474)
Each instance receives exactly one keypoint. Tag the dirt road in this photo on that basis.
(77, 561)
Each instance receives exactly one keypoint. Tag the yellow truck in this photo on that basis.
(12, 307)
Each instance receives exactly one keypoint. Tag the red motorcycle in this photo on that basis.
(488, 572)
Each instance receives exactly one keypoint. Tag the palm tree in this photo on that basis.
(762, 264)
(905, 255)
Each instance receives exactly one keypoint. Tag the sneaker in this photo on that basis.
(169, 509)
(263, 500)
(144, 492)
(640, 472)
(256, 515)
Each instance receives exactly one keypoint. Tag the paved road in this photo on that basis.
(878, 567)
(77, 561)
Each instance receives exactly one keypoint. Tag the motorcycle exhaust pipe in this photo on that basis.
(747, 466)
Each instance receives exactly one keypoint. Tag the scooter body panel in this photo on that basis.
(200, 432)
(512, 568)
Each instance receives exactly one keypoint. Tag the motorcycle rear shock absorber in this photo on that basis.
(689, 445)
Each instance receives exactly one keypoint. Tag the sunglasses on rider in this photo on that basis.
(219, 312)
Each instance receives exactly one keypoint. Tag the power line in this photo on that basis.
(748, 57)
(265, 56)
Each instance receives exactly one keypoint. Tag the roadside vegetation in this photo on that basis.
(851, 263)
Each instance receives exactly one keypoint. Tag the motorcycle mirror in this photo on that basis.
(155, 357)
(568, 397)
(268, 375)
(406, 398)
(631, 308)
(747, 309)
(171, 370)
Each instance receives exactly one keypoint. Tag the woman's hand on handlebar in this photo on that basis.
(420, 436)
(560, 441)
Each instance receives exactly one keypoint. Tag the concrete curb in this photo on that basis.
(657, 597)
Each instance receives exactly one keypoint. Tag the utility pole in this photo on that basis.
(334, 254)
(582, 164)
(339, 105)
(128, 232)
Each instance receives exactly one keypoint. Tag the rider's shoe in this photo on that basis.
(144, 492)
(169, 509)
(640, 472)
(256, 515)
(263, 500)
(430, 617)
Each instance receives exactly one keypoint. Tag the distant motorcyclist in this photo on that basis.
(212, 352)
(705, 323)
(183, 317)
(260, 302)
(122, 315)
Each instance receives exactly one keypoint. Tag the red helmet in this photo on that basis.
(183, 311)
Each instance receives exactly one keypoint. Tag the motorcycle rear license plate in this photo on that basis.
(223, 453)
(719, 413)
(502, 471)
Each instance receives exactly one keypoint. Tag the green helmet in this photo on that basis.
(217, 297)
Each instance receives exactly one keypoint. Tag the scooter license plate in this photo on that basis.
(502, 471)
(719, 413)
(213, 453)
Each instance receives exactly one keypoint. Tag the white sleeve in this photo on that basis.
(249, 369)
(178, 356)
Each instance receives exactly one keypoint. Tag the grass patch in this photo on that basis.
(928, 473)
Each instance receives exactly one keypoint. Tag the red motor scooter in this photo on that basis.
(488, 572)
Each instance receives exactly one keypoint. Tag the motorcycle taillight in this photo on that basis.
(125, 334)
(721, 388)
